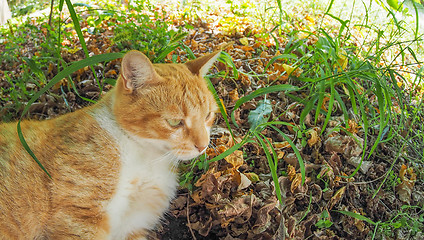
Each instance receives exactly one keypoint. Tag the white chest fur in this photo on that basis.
(146, 182)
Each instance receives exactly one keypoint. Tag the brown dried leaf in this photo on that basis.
(291, 172)
(336, 197)
(279, 145)
(239, 210)
(234, 96)
(263, 220)
(404, 189)
(203, 226)
(247, 48)
(313, 137)
(296, 182)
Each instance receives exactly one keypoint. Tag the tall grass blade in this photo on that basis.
(271, 165)
(357, 216)
(293, 146)
(77, 26)
(220, 105)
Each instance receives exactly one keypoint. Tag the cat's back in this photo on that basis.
(21, 185)
(81, 159)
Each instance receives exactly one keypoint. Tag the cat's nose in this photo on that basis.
(201, 147)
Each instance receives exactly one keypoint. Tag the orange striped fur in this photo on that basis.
(113, 163)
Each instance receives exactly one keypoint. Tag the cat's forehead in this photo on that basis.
(170, 70)
(179, 91)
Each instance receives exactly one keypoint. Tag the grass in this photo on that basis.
(370, 75)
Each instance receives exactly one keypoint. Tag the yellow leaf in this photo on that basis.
(72, 51)
(336, 197)
(280, 154)
(234, 96)
(235, 158)
(310, 19)
(244, 41)
(289, 69)
(313, 137)
(296, 182)
(291, 172)
(342, 61)
(302, 35)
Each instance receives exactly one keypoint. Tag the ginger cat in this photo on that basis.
(113, 164)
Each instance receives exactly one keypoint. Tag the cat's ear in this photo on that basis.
(136, 70)
(200, 66)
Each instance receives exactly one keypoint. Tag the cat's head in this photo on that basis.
(166, 102)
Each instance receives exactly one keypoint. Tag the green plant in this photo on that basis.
(407, 217)
(324, 221)
(154, 38)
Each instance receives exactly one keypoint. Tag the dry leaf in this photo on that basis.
(279, 145)
(336, 197)
(360, 225)
(313, 137)
(404, 189)
(235, 159)
(280, 154)
(263, 220)
(292, 70)
(244, 182)
(296, 182)
(353, 126)
(234, 96)
(291, 172)
(247, 49)
(252, 176)
(244, 41)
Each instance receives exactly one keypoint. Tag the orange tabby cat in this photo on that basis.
(113, 163)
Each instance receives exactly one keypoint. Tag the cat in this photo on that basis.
(112, 164)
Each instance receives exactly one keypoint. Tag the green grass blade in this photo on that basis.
(352, 98)
(343, 106)
(165, 52)
(28, 149)
(321, 95)
(226, 59)
(273, 170)
(283, 56)
(357, 216)
(77, 26)
(293, 146)
(309, 105)
(220, 106)
(330, 106)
